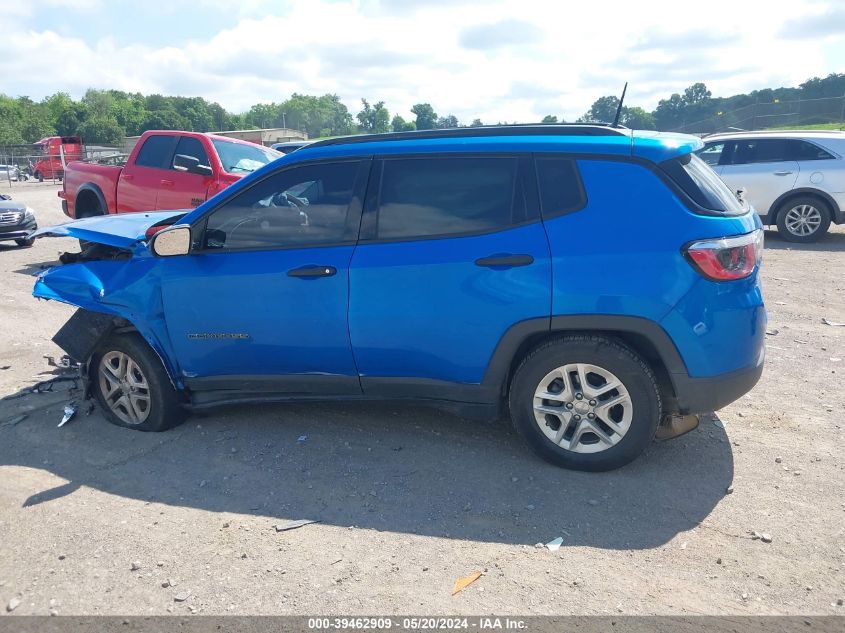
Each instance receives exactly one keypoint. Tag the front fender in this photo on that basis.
(128, 289)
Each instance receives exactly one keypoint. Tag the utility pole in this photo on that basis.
(283, 120)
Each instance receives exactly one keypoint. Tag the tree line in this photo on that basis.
(106, 116)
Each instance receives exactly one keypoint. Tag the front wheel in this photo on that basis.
(585, 403)
(25, 242)
(804, 219)
(132, 386)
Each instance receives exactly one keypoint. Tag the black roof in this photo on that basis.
(565, 129)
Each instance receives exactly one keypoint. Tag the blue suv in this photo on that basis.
(594, 281)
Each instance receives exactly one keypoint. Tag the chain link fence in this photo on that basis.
(761, 116)
(20, 164)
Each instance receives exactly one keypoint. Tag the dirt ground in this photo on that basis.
(410, 499)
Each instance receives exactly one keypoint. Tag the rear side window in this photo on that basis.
(802, 150)
(761, 150)
(155, 152)
(702, 184)
(424, 197)
(190, 146)
(561, 190)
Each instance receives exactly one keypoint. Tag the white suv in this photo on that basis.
(795, 180)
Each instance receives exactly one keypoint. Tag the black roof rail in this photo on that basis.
(565, 129)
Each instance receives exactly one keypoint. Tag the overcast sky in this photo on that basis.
(505, 60)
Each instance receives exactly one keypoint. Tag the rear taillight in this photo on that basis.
(727, 258)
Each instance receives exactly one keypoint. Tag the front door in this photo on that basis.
(260, 303)
(452, 254)
(181, 189)
(140, 181)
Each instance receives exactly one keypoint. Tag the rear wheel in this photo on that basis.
(132, 386)
(25, 242)
(804, 219)
(585, 403)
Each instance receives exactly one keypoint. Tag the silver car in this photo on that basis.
(795, 180)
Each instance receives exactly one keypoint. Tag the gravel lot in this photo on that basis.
(410, 499)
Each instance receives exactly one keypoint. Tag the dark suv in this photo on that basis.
(17, 221)
(593, 281)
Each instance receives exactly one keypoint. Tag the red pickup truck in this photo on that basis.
(166, 170)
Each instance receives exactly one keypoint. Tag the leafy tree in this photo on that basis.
(696, 93)
(163, 120)
(102, 131)
(374, 119)
(549, 118)
(637, 119)
(426, 116)
(670, 112)
(476, 123)
(603, 110)
(447, 122)
(401, 125)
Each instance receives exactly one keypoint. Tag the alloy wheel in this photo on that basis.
(583, 408)
(803, 220)
(124, 387)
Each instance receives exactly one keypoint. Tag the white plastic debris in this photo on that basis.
(555, 544)
(292, 525)
(70, 411)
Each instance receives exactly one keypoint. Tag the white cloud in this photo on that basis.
(500, 61)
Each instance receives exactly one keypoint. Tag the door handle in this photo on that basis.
(312, 271)
(782, 173)
(167, 183)
(505, 259)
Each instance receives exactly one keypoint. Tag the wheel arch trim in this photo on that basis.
(774, 210)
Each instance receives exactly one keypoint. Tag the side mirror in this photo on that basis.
(191, 164)
(175, 240)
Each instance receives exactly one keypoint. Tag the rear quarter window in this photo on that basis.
(701, 184)
(561, 190)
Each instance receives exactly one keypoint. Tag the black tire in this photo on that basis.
(819, 205)
(635, 375)
(163, 410)
(25, 243)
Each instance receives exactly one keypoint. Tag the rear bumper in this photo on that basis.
(703, 395)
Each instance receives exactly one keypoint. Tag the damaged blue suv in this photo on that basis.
(595, 282)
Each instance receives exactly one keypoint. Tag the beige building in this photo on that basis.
(265, 137)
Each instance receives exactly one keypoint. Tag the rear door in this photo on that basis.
(452, 254)
(140, 181)
(181, 189)
(761, 166)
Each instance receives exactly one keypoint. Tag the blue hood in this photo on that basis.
(121, 231)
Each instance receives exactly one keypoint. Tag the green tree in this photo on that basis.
(638, 119)
(696, 93)
(670, 112)
(426, 116)
(374, 119)
(447, 122)
(549, 118)
(401, 125)
(102, 131)
(476, 123)
(603, 110)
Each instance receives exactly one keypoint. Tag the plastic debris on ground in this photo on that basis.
(292, 525)
(70, 411)
(834, 323)
(555, 544)
(464, 582)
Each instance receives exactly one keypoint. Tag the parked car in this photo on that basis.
(795, 180)
(17, 221)
(10, 173)
(593, 281)
(165, 170)
(290, 146)
(52, 150)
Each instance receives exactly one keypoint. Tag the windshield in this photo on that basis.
(240, 158)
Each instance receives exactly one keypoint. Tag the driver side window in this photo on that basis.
(302, 206)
